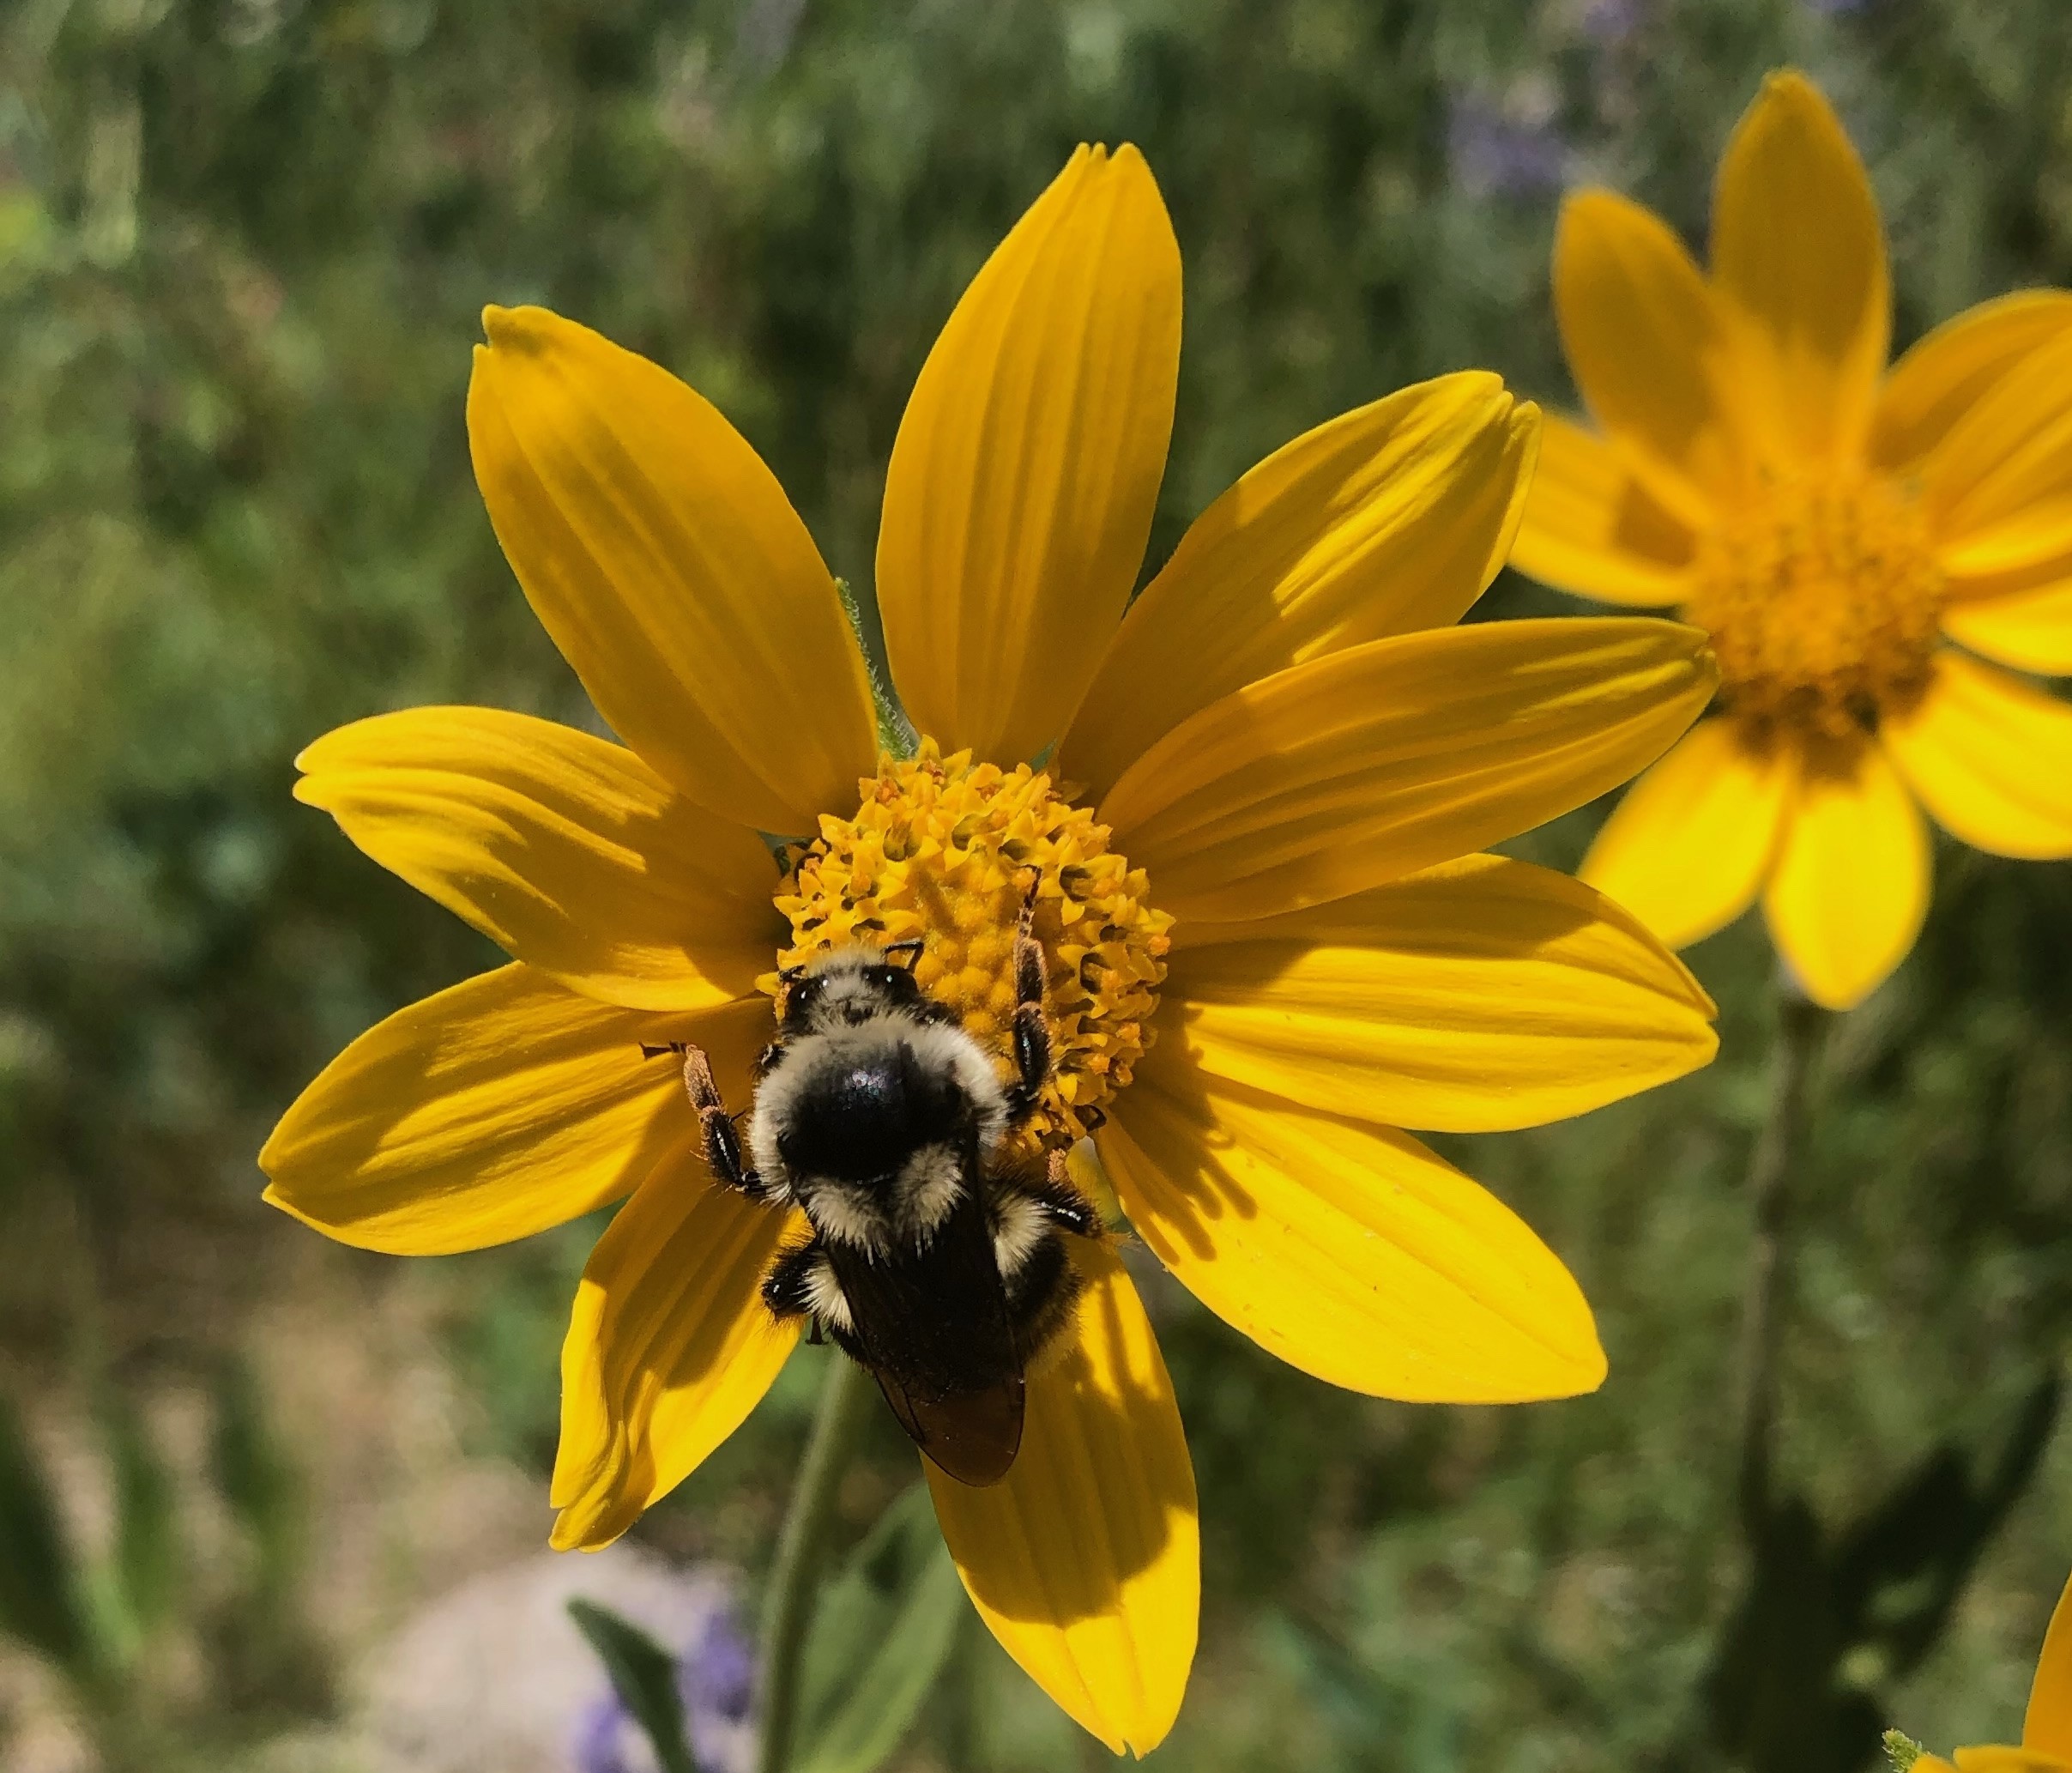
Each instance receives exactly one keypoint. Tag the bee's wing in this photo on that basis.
(935, 1331)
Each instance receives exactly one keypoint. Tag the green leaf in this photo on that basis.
(147, 1532)
(39, 1588)
(879, 1636)
(644, 1675)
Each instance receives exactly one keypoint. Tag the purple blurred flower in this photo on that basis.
(1493, 151)
(716, 1678)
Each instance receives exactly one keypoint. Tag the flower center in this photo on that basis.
(946, 850)
(1823, 601)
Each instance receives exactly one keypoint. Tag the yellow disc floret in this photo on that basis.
(1823, 601)
(948, 850)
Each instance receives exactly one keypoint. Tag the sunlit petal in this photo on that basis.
(490, 1111)
(1086, 1560)
(1799, 258)
(1481, 994)
(1020, 495)
(1592, 528)
(663, 558)
(1369, 764)
(669, 1347)
(1646, 347)
(1849, 889)
(2030, 630)
(568, 851)
(1991, 758)
(1349, 1250)
(1388, 519)
(1938, 382)
(1688, 848)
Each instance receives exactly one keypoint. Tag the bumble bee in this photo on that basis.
(936, 1259)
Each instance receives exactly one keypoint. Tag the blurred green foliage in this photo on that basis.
(243, 243)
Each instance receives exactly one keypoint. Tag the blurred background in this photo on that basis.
(266, 1502)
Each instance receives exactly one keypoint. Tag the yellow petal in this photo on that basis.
(669, 1347)
(1687, 850)
(1999, 484)
(662, 556)
(2048, 1726)
(1369, 764)
(1350, 1252)
(1938, 382)
(491, 1111)
(1482, 995)
(2030, 630)
(1592, 528)
(1999, 1759)
(1647, 349)
(1849, 888)
(1020, 495)
(568, 851)
(1086, 1560)
(1388, 519)
(1799, 258)
(1991, 757)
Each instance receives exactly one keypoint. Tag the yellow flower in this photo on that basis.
(2046, 1731)
(1830, 525)
(1269, 937)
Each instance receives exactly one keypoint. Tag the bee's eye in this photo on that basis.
(804, 995)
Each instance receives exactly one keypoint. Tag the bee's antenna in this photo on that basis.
(790, 975)
(910, 945)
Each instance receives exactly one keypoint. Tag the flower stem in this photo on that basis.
(788, 1607)
(1799, 1024)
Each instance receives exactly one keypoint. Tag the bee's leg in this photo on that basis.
(722, 1141)
(801, 1284)
(1031, 1038)
(1062, 1203)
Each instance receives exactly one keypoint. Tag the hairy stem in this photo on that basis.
(788, 1607)
(1799, 1024)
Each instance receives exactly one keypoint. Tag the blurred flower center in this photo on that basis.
(1823, 601)
(946, 850)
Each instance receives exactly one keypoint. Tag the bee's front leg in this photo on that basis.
(1062, 1203)
(722, 1141)
(1031, 1037)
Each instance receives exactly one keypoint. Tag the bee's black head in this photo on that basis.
(844, 987)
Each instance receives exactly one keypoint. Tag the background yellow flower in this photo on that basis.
(1831, 527)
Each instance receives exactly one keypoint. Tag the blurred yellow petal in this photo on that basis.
(1370, 764)
(669, 1347)
(566, 850)
(1086, 1560)
(1999, 484)
(1798, 256)
(489, 1112)
(1846, 897)
(2048, 1726)
(1019, 495)
(663, 558)
(1687, 850)
(1998, 1760)
(2030, 630)
(1592, 528)
(1349, 1250)
(1647, 349)
(1482, 995)
(1389, 519)
(1938, 382)
(1991, 758)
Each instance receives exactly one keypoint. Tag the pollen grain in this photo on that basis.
(946, 850)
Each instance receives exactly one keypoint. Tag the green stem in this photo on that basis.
(1799, 1023)
(788, 1609)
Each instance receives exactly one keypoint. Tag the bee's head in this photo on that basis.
(844, 987)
